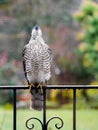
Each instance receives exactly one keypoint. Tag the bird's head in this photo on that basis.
(36, 32)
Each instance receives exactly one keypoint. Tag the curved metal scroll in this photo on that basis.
(57, 125)
(31, 126)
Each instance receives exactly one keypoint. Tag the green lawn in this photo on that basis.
(86, 119)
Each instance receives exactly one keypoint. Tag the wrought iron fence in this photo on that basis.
(45, 123)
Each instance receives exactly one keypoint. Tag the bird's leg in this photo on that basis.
(40, 86)
(31, 86)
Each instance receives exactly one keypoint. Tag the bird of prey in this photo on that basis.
(37, 61)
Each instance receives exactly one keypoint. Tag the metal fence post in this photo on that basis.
(14, 109)
(44, 110)
(74, 108)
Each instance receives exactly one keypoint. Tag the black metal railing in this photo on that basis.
(45, 123)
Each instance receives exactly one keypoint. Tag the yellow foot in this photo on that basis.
(40, 86)
(31, 86)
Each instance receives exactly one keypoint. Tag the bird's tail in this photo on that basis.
(37, 100)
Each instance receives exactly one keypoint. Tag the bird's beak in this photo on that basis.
(36, 31)
(36, 27)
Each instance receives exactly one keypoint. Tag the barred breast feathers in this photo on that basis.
(38, 59)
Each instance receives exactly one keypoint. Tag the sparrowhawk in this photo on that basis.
(37, 61)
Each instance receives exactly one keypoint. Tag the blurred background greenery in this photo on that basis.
(70, 27)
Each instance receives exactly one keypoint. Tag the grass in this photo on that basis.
(86, 119)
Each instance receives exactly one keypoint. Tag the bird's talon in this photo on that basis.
(40, 86)
(31, 86)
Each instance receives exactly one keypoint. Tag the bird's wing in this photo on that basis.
(24, 63)
(47, 62)
(50, 54)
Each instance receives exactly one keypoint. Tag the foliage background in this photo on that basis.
(70, 28)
